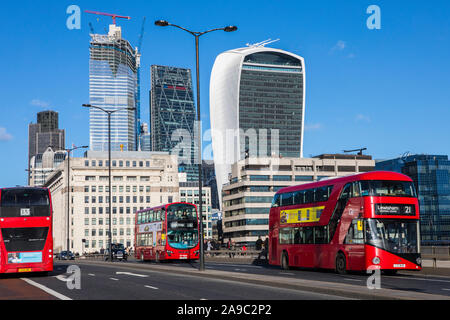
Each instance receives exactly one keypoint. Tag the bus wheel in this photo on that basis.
(284, 261)
(341, 263)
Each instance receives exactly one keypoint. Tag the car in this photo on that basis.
(118, 252)
(63, 255)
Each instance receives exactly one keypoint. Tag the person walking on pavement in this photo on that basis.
(266, 247)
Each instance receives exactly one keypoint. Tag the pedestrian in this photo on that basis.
(258, 244)
(266, 247)
(230, 246)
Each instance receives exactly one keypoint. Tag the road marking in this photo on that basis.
(114, 279)
(289, 274)
(349, 279)
(421, 279)
(132, 274)
(240, 270)
(91, 274)
(446, 289)
(48, 290)
(150, 287)
(62, 278)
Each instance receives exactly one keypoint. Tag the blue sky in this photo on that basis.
(387, 89)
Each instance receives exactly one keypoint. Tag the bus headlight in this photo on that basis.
(376, 260)
(419, 261)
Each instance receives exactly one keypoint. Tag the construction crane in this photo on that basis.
(92, 28)
(141, 36)
(112, 15)
(360, 151)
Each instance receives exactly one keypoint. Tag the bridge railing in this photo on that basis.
(435, 252)
(428, 253)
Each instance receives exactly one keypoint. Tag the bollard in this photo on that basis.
(434, 263)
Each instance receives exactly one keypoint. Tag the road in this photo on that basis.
(114, 282)
(222, 281)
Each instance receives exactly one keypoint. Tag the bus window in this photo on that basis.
(320, 235)
(309, 196)
(347, 192)
(355, 189)
(276, 201)
(151, 217)
(287, 199)
(355, 233)
(299, 197)
(309, 235)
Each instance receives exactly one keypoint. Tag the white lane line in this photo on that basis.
(133, 274)
(150, 287)
(91, 274)
(422, 279)
(114, 279)
(445, 289)
(287, 273)
(48, 290)
(348, 279)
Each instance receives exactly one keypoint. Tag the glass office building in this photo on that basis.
(431, 175)
(257, 97)
(113, 85)
(172, 116)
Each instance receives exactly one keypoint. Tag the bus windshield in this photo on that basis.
(395, 236)
(22, 202)
(24, 198)
(182, 226)
(385, 188)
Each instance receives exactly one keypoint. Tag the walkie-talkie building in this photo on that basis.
(113, 85)
(257, 106)
(172, 116)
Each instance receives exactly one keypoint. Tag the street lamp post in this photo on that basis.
(68, 193)
(197, 35)
(109, 113)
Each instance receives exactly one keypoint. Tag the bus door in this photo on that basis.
(354, 224)
(354, 244)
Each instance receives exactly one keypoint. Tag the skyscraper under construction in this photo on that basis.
(113, 85)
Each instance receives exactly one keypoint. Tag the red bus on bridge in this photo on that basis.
(169, 232)
(359, 222)
(26, 240)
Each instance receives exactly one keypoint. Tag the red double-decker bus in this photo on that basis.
(169, 232)
(26, 240)
(359, 222)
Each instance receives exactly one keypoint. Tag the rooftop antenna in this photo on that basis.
(360, 151)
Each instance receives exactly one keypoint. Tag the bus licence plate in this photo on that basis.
(399, 266)
(24, 270)
(183, 257)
